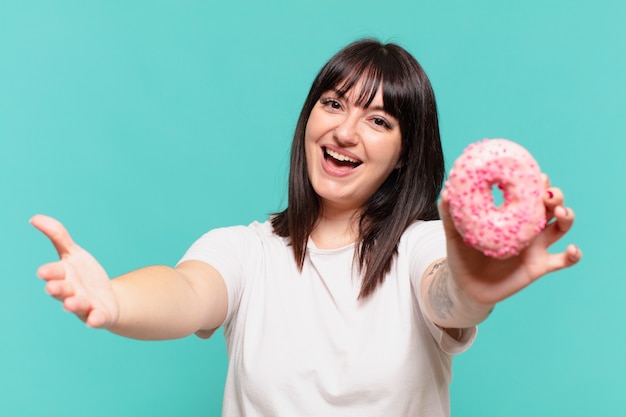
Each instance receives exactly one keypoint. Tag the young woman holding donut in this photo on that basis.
(354, 299)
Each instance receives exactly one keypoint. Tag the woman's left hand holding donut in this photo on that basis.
(487, 280)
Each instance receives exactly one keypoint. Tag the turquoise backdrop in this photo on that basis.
(143, 124)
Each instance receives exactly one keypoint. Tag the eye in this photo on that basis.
(330, 103)
(379, 121)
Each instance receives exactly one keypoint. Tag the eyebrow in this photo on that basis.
(339, 94)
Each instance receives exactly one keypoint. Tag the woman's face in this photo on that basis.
(350, 150)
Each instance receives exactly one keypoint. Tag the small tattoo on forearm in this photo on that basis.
(440, 300)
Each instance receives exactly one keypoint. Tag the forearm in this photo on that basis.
(156, 303)
(446, 304)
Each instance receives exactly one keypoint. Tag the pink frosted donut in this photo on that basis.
(504, 231)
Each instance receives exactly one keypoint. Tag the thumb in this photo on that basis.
(55, 231)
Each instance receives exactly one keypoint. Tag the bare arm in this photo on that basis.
(156, 302)
(160, 302)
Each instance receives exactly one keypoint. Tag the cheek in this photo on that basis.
(312, 134)
(398, 158)
(392, 153)
(310, 151)
(312, 128)
(309, 143)
(398, 152)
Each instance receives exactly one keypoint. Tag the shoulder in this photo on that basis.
(423, 230)
(231, 240)
(261, 230)
(422, 243)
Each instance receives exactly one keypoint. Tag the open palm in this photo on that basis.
(77, 279)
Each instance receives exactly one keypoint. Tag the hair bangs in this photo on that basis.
(368, 81)
(366, 72)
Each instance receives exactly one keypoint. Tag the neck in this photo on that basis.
(336, 228)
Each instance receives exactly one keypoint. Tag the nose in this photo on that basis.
(346, 132)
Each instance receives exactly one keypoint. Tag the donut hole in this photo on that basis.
(497, 195)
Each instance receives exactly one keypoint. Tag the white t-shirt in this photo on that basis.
(301, 344)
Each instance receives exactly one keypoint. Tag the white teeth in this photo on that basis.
(341, 157)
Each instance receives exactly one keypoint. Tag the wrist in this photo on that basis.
(467, 311)
(447, 304)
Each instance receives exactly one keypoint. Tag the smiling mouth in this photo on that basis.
(339, 159)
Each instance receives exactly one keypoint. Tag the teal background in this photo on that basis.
(143, 124)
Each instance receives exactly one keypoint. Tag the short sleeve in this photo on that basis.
(425, 243)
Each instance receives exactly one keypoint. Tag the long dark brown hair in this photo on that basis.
(409, 193)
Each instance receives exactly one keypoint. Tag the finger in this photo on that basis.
(96, 319)
(60, 289)
(563, 223)
(546, 180)
(85, 311)
(552, 198)
(55, 231)
(564, 218)
(574, 254)
(51, 271)
(569, 257)
(80, 306)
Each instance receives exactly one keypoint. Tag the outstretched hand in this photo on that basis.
(487, 280)
(77, 279)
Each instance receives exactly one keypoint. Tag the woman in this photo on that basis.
(354, 299)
